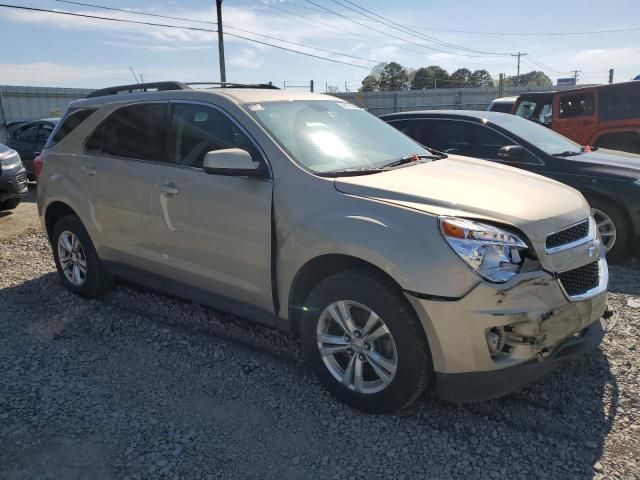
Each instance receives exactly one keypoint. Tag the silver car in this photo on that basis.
(400, 269)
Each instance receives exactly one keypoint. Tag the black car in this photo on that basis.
(610, 180)
(13, 179)
(29, 140)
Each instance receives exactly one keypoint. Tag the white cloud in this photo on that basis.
(50, 74)
(246, 58)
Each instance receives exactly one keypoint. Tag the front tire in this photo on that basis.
(612, 226)
(77, 261)
(365, 343)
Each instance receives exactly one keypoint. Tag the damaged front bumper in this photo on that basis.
(500, 337)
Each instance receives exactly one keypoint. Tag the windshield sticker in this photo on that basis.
(256, 107)
(348, 106)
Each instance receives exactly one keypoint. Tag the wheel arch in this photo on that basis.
(317, 269)
(54, 212)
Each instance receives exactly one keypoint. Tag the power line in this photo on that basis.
(93, 5)
(327, 26)
(118, 20)
(530, 34)
(388, 22)
(543, 66)
(421, 45)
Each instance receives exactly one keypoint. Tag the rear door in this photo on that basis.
(24, 141)
(118, 169)
(576, 116)
(213, 232)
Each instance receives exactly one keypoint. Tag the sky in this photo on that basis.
(47, 49)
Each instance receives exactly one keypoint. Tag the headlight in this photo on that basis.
(10, 160)
(491, 251)
(637, 182)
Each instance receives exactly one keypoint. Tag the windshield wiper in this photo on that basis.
(351, 172)
(568, 153)
(413, 158)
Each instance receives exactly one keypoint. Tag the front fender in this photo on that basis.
(404, 243)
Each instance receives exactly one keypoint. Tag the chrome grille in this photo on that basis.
(568, 235)
(580, 280)
(21, 178)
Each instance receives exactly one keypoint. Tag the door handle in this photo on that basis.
(89, 171)
(169, 189)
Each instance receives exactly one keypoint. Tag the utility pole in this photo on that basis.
(223, 72)
(575, 75)
(611, 75)
(519, 54)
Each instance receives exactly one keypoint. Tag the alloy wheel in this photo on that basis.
(72, 258)
(357, 347)
(606, 228)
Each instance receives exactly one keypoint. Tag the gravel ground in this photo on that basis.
(138, 385)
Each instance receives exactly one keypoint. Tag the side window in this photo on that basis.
(27, 134)
(577, 105)
(487, 142)
(135, 131)
(43, 133)
(450, 136)
(196, 130)
(69, 124)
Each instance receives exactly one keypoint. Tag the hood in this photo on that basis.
(466, 187)
(6, 151)
(611, 162)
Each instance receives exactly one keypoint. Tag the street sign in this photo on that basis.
(566, 81)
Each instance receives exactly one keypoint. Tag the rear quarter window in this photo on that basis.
(69, 124)
(619, 102)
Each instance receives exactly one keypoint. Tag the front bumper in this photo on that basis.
(535, 319)
(479, 386)
(13, 182)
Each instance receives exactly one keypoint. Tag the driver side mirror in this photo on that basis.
(231, 161)
(511, 152)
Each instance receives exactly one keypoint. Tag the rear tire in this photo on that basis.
(612, 225)
(10, 204)
(386, 344)
(77, 261)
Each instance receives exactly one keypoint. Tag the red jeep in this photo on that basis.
(606, 116)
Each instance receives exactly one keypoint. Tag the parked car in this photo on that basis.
(29, 140)
(399, 271)
(502, 104)
(606, 116)
(610, 180)
(13, 178)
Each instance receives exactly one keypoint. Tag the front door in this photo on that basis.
(212, 232)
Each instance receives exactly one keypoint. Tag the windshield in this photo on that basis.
(545, 139)
(326, 136)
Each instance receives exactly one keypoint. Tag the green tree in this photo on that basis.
(481, 78)
(460, 78)
(429, 77)
(370, 83)
(533, 79)
(394, 77)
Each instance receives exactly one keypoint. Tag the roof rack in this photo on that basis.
(237, 85)
(139, 87)
(164, 86)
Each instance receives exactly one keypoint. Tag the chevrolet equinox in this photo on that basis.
(400, 269)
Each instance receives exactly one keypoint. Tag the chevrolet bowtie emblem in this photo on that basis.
(593, 248)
